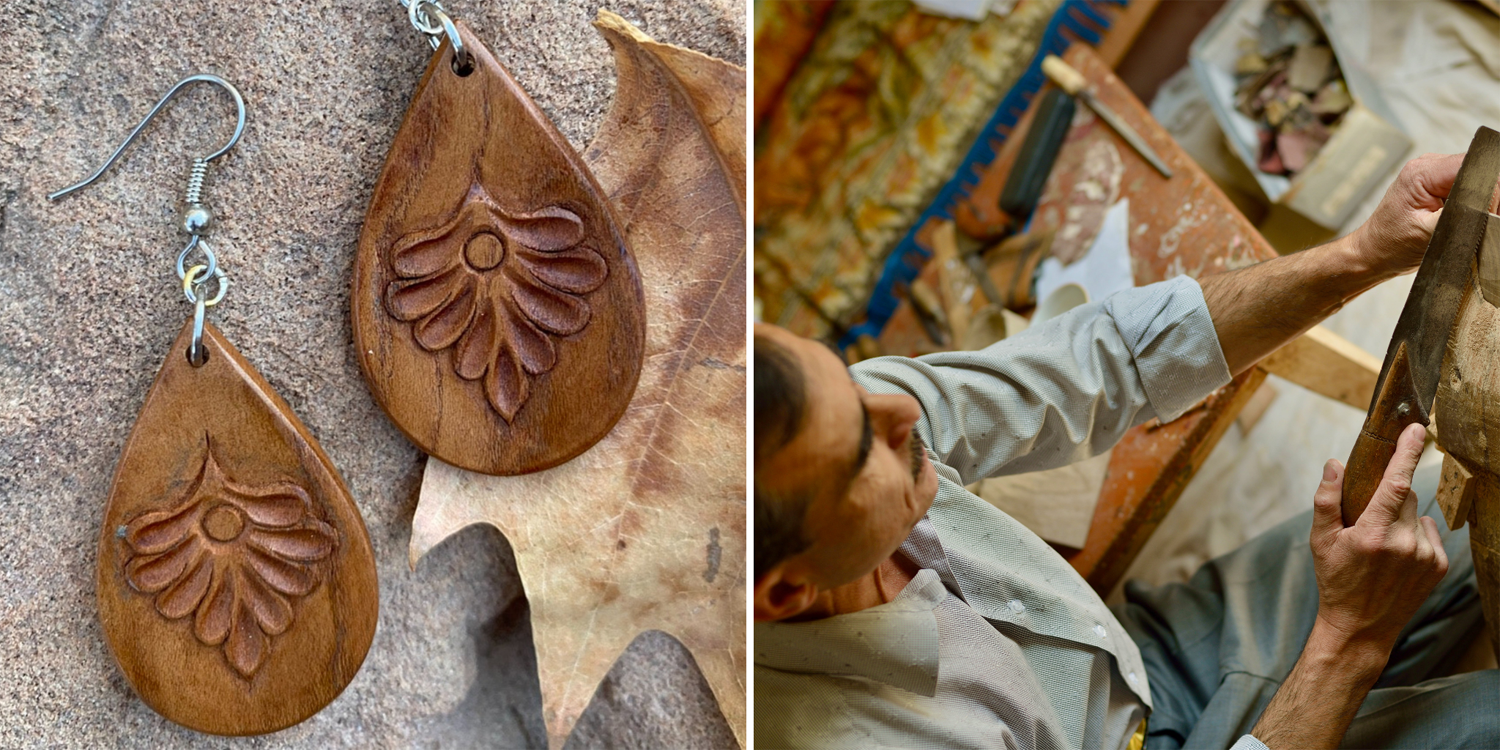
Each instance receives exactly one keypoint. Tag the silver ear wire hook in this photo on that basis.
(196, 218)
(239, 129)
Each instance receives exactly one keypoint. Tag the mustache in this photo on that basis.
(918, 452)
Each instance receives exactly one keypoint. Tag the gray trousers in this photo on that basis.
(1217, 647)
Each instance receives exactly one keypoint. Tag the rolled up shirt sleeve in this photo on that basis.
(1064, 390)
(1248, 742)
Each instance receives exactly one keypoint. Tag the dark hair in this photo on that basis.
(780, 408)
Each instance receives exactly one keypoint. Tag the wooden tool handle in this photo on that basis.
(1362, 476)
(1395, 407)
(1062, 74)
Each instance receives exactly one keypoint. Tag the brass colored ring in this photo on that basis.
(189, 280)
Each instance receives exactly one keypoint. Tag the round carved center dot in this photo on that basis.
(484, 251)
(223, 523)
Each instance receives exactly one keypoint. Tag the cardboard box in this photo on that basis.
(1366, 146)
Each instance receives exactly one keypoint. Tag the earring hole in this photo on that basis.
(201, 357)
(463, 68)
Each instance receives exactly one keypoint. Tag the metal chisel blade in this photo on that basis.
(1128, 133)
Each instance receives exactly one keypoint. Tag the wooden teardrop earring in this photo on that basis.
(497, 312)
(236, 581)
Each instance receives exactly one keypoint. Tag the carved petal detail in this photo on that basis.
(233, 557)
(496, 287)
(187, 591)
(506, 385)
(578, 270)
(551, 229)
(417, 298)
(557, 312)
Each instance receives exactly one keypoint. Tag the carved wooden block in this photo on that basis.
(498, 313)
(1455, 494)
(237, 585)
(1467, 395)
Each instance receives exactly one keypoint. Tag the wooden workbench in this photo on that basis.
(1185, 225)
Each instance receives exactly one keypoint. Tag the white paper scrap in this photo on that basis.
(1104, 269)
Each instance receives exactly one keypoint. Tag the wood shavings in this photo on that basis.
(1291, 82)
(1309, 67)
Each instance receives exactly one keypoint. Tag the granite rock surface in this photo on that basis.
(89, 304)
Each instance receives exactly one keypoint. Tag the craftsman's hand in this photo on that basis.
(1394, 238)
(1373, 576)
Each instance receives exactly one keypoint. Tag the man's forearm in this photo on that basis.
(1257, 309)
(1313, 707)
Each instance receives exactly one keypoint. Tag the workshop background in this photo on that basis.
(90, 306)
(873, 120)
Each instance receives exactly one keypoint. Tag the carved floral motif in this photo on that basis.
(235, 558)
(497, 288)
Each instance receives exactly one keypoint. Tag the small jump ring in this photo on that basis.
(420, 18)
(461, 59)
(190, 280)
(208, 255)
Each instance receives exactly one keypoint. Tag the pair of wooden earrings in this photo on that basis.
(500, 323)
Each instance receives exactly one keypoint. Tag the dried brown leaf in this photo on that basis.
(646, 530)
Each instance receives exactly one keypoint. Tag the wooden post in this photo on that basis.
(1468, 412)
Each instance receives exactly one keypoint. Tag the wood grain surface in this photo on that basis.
(236, 581)
(1390, 414)
(498, 314)
(1468, 419)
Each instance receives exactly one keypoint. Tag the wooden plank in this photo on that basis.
(980, 215)
(1327, 364)
(1256, 407)
(1171, 30)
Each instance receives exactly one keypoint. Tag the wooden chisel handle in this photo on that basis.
(1395, 407)
(1063, 75)
(1362, 476)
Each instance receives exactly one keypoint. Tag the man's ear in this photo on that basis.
(782, 593)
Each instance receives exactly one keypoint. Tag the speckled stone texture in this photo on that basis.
(89, 305)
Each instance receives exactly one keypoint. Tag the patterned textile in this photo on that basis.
(876, 118)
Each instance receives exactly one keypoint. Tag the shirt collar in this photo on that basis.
(894, 643)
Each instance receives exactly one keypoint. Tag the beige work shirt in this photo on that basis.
(998, 642)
